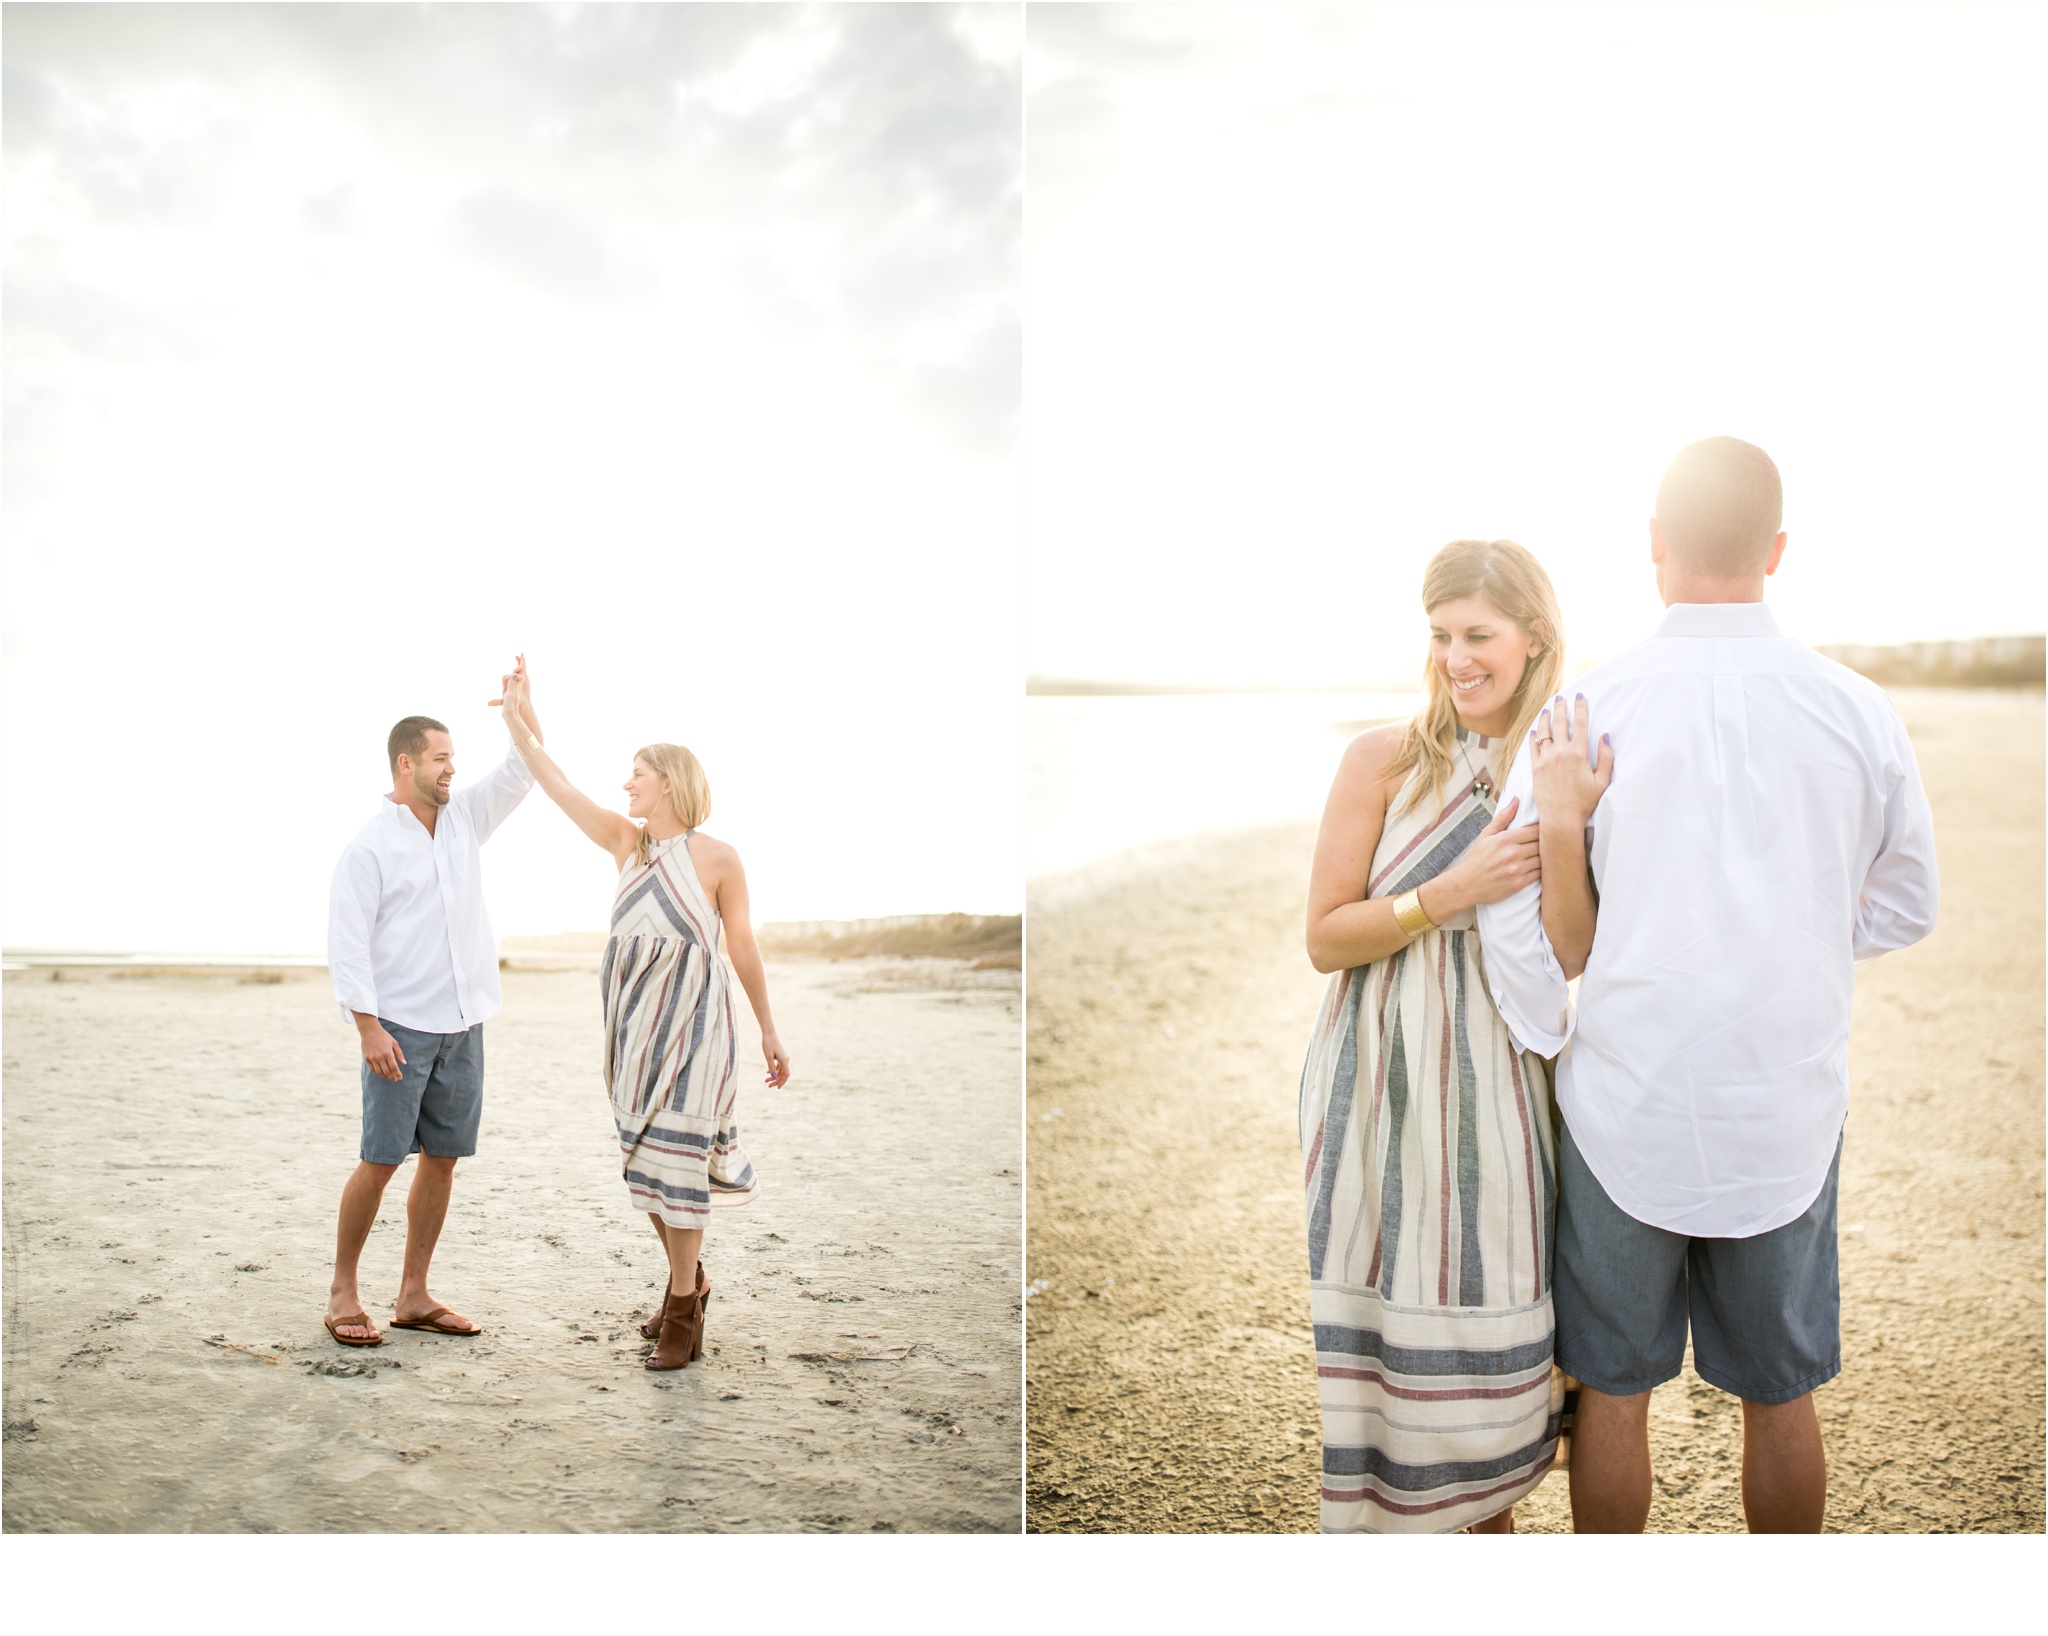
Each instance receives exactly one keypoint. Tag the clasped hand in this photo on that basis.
(514, 691)
(1500, 862)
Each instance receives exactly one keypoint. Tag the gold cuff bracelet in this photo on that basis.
(1410, 915)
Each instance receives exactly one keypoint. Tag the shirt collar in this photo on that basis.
(1718, 619)
(397, 812)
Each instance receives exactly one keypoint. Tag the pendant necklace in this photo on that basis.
(1482, 782)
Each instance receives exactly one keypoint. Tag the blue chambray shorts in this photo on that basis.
(436, 1103)
(1765, 1312)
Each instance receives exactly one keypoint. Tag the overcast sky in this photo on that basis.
(1315, 289)
(349, 349)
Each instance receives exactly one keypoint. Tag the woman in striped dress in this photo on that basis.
(1427, 1137)
(669, 1046)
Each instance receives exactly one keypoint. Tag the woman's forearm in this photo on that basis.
(1356, 934)
(606, 828)
(1569, 914)
(546, 774)
(746, 966)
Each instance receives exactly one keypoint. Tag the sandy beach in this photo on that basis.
(1171, 1380)
(175, 1147)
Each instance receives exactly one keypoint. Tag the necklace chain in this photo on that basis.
(1482, 782)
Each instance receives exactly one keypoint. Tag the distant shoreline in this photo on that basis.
(1983, 661)
(986, 941)
(1073, 687)
(980, 938)
(1974, 661)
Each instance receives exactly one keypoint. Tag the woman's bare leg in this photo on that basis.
(681, 1245)
(1501, 1522)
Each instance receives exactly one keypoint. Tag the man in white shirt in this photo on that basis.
(1764, 832)
(415, 968)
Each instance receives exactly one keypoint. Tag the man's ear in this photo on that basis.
(1777, 554)
(1656, 542)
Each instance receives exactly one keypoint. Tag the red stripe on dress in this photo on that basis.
(1400, 1508)
(1456, 806)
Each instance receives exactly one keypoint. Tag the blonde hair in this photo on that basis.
(1509, 580)
(689, 791)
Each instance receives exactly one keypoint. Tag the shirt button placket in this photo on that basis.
(441, 873)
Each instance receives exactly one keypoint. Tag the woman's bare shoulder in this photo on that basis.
(709, 850)
(1371, 753)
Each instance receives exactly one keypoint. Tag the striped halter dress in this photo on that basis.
(668, 1043)
(1430, 1166)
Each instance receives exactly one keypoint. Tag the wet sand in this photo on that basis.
(175, 1147)
(1172, 1383)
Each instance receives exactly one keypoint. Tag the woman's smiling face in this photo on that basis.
(1481, 654)
(644, 790)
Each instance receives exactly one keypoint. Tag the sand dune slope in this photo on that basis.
(1171, 1380)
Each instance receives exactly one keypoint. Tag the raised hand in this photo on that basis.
(511, 701)
(1571, 773)
(518, 686)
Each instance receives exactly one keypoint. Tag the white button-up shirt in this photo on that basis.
(407, 936)
(1765, 831)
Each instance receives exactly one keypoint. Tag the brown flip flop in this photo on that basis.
(430, 1322)
(360, 1319)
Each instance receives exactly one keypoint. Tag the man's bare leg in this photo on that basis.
(426, 1207)
(1610, 1471)
(1784, 1468)
(359, 1201)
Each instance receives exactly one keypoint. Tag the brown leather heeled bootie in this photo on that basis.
(651, 1330)
(682, 1333)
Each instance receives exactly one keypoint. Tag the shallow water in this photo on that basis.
(1109, 774)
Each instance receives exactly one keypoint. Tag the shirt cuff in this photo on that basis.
(1545, 1041)
(357, 999)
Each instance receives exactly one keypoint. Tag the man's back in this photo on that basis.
(1764, 830)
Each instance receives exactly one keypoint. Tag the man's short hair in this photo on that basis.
(409, 738)
(1720, 506)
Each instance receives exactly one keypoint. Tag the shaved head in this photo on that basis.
(1720, 506)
